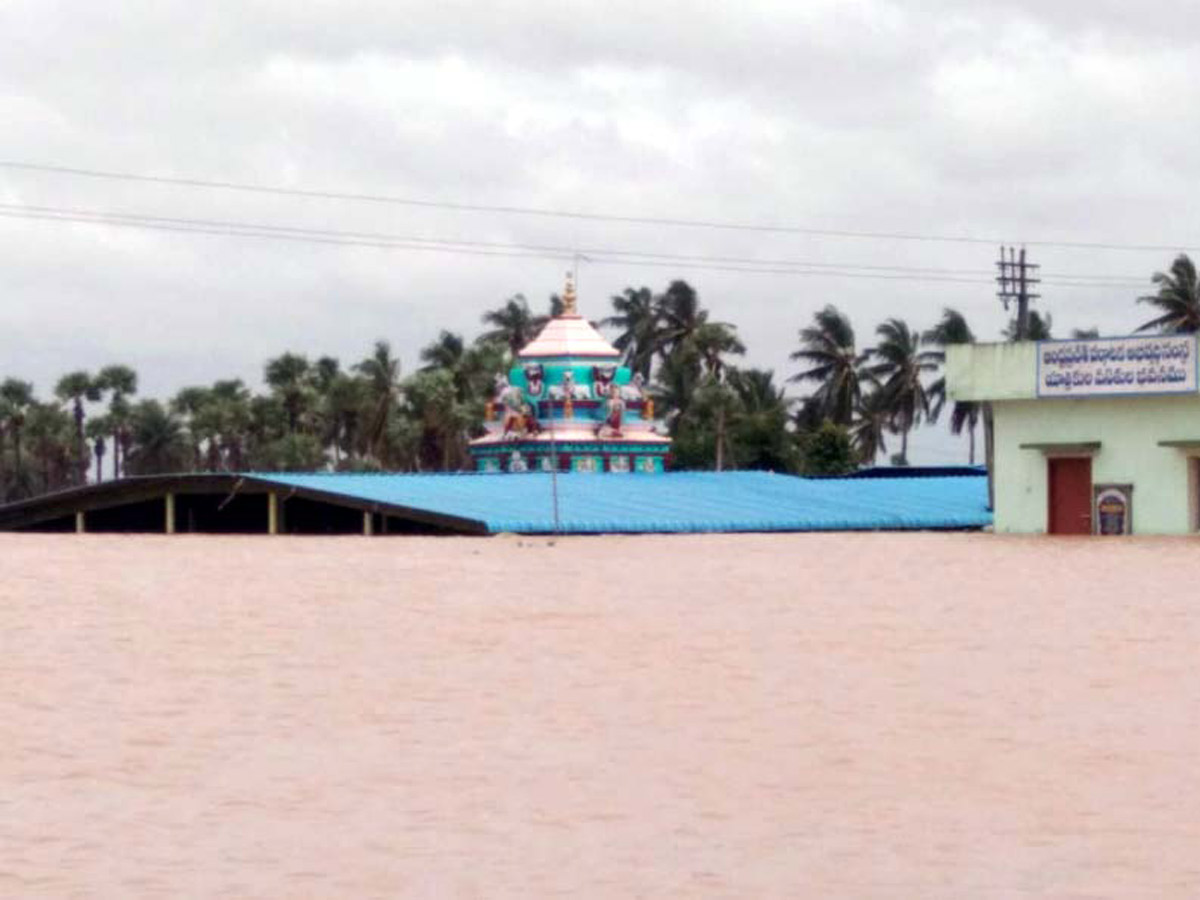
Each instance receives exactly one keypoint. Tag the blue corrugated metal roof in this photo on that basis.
(671, 502)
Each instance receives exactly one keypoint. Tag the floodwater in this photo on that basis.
(849, 715)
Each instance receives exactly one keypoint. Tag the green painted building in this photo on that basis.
(1090, 436)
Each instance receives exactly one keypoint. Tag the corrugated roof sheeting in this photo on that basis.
(672, 502)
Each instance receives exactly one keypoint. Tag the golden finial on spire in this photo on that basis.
(568, 297)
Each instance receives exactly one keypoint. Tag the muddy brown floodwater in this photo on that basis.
(862, 716)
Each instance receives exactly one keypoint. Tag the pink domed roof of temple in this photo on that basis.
(569, 334)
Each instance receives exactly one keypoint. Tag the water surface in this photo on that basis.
(866, 716)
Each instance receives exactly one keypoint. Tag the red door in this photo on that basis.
(1070, 495)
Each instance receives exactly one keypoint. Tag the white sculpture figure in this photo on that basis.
(501, 385)
(569, 388)
(635, 390)
(516, 462)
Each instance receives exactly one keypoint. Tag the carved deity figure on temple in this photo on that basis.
(602, 379)
(516, 410)
(614, 410)
(569, 390)
(636, 389)
(534, 379)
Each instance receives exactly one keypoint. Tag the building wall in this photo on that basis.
(1128, 428)
(992, 371)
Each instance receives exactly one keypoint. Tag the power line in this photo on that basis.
(569, 214)
(495, 249)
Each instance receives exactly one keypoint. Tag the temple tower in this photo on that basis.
(569, 403)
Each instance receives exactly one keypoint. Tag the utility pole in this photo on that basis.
(1015, 278)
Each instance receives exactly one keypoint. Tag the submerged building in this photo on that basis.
(569, 405)
(1096, 436)
(577, 424)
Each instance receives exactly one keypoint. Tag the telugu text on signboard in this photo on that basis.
(1134, 365)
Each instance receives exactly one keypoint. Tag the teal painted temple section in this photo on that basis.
(569, 405)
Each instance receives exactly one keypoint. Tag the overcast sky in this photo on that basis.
(1030, 121)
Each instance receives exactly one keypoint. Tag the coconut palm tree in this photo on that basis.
(441, 421)
(675, 386)
(447, 352)
(75, 388)
(472, 368)
(1039, 327)
(871, 424)
(381, 370)
(514, 324)
(952, 328)
(827, 346)
(760, 429)
(638, 321)
(680, 316)
(1177, 299)
(290, 377)
(157, 441)
(713, 341)
(121, 382)
(901, 367)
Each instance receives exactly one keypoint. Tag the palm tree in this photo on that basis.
(75, 388)
(1178, 299)
(382, 373)
(16, 398)
(680, 315)
(121, 382)
(827, 346)
(952, 329)
(52, 442)
(98, 429)
(514, 324)
(760, 426)
(289, 376)
(1039, 327)
(324, 372)
(440, 419)
(870, 427)
(473, 369)
(902, 363)
(676, 385)
(230, 402)
(447, 352)
(343, 406)
(158, 444)
(712, 341)
(190, 402)
(638, 319)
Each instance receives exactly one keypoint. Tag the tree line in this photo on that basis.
(315, 415)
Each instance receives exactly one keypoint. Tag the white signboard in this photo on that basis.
(1113, 366)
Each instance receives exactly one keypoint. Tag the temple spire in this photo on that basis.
(568, 297)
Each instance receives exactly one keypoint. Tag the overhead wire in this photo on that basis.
(602, 256)
(501, 209)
